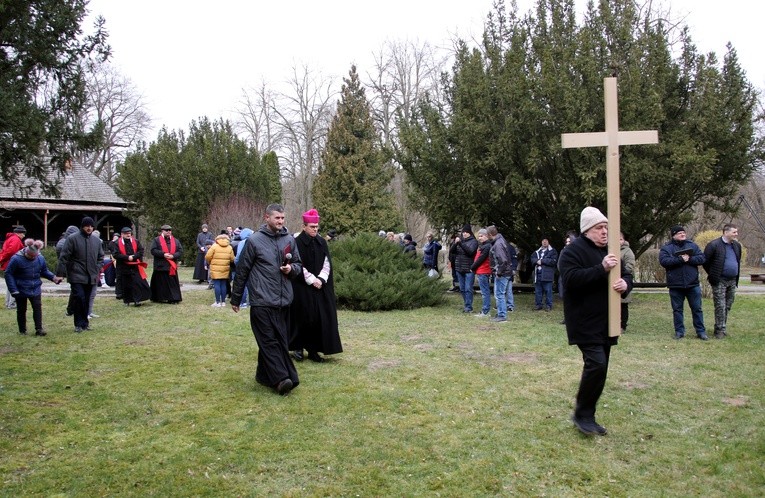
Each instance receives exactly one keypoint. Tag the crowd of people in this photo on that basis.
(287, 281)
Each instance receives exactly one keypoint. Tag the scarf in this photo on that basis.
(171, 262)
(141, 265)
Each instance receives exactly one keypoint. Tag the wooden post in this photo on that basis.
(612, 138)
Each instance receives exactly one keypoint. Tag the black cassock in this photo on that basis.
(313, 314)
(135, 288)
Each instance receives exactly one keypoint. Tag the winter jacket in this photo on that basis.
(82, 256)
(549, 258)
(585, 302)
(466, 250)
(22, 276)
(70, 230)
(411, 248)
(714, 254)
(430, 254)
(681, 275)
(481, 264)
(628, 265)
(11, 246)
(246, 232)
(504, 257)
(258, 269)
(220, 256)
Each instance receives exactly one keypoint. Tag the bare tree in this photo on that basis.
(115, 101)
(303, 117)
(403, 73)
(258, 119)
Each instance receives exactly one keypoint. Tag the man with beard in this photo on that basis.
(314, 310)
(82, 257)
(167, 251)
(585, 265)
(130, 266)
(269, 261)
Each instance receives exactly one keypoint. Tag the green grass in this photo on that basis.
(161, 401)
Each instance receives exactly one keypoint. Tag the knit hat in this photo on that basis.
(676, 228)
(87, 222)
(311, 216)
(32, 247)
(20, 229)
(467, 228)
(204, 225)
(408, 237)
(590, 217)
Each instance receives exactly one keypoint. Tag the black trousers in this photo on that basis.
(81, 301)
(271, 329)
(21, 312)
(593, 380)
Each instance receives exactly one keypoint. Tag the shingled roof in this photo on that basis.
(79, 188)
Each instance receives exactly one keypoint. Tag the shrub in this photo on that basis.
(648, 269)
(49, 253)
(371, 274)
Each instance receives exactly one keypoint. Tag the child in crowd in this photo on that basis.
(24, 283)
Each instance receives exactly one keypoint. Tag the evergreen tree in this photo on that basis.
(352, 189)
(177, 178)
(42, 88)
(371, 274)
(491, 152)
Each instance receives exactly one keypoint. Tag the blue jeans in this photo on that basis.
(483, 284)
(543, 290)
(693, 295)
(466, 288)
(219, 284)
(503, 293)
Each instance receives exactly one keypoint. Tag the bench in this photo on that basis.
(757, 277)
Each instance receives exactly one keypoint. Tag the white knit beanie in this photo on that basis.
(590, 217)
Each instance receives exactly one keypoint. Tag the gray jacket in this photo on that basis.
(82, 256)
(258, 269)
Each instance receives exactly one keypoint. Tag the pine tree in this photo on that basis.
(352, 190)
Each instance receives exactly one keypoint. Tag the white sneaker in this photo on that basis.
(214, 305)
(93, 315)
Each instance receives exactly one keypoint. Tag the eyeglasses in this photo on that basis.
(167, 230)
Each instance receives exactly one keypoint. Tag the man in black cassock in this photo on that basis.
(128, 254)
(167, 252)
(313, 314)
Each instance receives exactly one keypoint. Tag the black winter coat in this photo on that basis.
(585, 302)
(82, 256)
(466, 250)
(714, 253)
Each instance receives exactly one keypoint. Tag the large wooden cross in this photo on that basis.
(612, 138)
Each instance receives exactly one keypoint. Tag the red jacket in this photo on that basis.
(11, 246)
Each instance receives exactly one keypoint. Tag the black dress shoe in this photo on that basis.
(588, 427)
(297, 355)
(315, 357)
(284, 387)
(41, 333)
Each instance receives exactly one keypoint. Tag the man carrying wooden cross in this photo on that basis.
(585, 279)
(585, 266)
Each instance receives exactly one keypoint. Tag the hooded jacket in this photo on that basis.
(258, 269)
(220, 256)
(71, 229)
(11, 246)
(246, 232)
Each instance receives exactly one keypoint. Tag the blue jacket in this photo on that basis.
(681, 275)
(23, 275)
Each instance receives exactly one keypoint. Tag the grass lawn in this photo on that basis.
(161, 401)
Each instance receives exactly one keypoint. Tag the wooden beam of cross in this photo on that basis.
(612, 138)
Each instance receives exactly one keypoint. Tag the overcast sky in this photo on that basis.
(192, 58)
